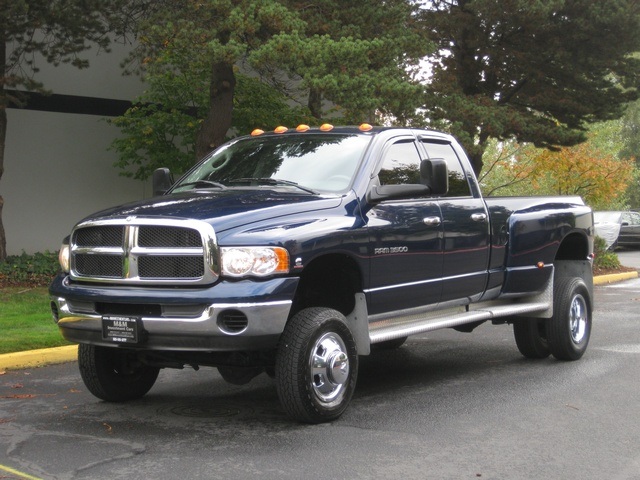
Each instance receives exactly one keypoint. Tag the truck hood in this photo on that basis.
(223, 209)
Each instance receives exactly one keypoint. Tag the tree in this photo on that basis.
(160, 130)
(600, 179)
(219, 64)
(538, 71)
(363, 57)
(205, 41)
(590, 170)
(58, 31)
(631, 132)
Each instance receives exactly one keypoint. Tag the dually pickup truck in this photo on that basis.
(295, 251)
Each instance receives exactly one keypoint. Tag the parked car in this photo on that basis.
(618, 228)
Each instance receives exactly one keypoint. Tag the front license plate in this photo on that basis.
(119, 329)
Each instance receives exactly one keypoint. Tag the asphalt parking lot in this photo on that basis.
(447, 405)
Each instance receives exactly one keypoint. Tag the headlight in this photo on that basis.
(63, 256)
(257, 261)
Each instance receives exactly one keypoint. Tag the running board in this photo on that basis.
(389, 329)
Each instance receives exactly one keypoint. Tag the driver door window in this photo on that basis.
(401, 164)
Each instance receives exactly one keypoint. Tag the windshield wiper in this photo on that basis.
(273, 181)
(203, 183)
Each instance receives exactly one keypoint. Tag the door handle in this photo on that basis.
(432, 221)
(479, 217)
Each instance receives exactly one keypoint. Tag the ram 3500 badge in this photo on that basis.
(292, 253)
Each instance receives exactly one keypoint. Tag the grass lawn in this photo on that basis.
(25, 320)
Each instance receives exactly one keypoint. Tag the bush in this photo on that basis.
(604, 259)
(34, 270)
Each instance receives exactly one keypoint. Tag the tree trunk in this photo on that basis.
(3, 136)
(475, 158)
(315, 103)
(214, 128)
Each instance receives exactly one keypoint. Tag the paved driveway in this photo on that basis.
(447, 405)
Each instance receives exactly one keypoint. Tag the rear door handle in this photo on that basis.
(432, 221)
(479, 217)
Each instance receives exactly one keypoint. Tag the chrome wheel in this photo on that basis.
(329, 368)
(578, 317)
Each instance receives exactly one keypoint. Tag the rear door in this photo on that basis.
(405, 236)
(465, 228)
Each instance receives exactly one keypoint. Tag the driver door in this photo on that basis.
(406, 237)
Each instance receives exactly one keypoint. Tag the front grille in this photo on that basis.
(166, 266)
(99, 237)
(157, 237)
(96, 265)
(129, 309)
(144, 252)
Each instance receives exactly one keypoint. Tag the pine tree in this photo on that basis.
(537, 71)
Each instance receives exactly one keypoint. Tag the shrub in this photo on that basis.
(604, 259)
(36, 270)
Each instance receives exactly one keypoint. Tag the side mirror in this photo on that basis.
(435, 174)
(162, 181)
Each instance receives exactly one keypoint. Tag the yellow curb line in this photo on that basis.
(18, 473)
(38, 358)
(614, 277)
(49, 356)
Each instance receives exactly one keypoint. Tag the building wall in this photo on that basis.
(58, 168)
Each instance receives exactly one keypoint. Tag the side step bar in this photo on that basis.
(389, 329)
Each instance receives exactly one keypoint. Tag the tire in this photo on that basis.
(569, 330)
(316, 366)
(531, 337)
(114, 374)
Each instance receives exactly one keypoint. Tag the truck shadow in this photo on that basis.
(437, 366)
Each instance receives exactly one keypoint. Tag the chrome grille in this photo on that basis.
(144, 251)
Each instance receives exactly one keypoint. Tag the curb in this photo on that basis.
(50, 356)
(38, 358)
(614, 277)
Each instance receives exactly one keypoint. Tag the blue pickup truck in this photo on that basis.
(295, 251)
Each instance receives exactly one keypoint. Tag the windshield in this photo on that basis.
(309, 162)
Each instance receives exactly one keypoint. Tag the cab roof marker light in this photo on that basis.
(302, 128)
(365, 127)
(257, 132)
(326, 127)
(281, 129)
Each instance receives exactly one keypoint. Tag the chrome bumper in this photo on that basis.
(183, 322)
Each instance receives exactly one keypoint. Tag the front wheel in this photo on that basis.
(569, 330)
(316, 365)
(114, 374)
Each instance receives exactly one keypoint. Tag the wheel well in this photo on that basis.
(329, 281)
(574, 247)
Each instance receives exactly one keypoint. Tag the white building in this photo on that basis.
(58, 168)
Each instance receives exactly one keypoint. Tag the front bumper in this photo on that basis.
(228, 316)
